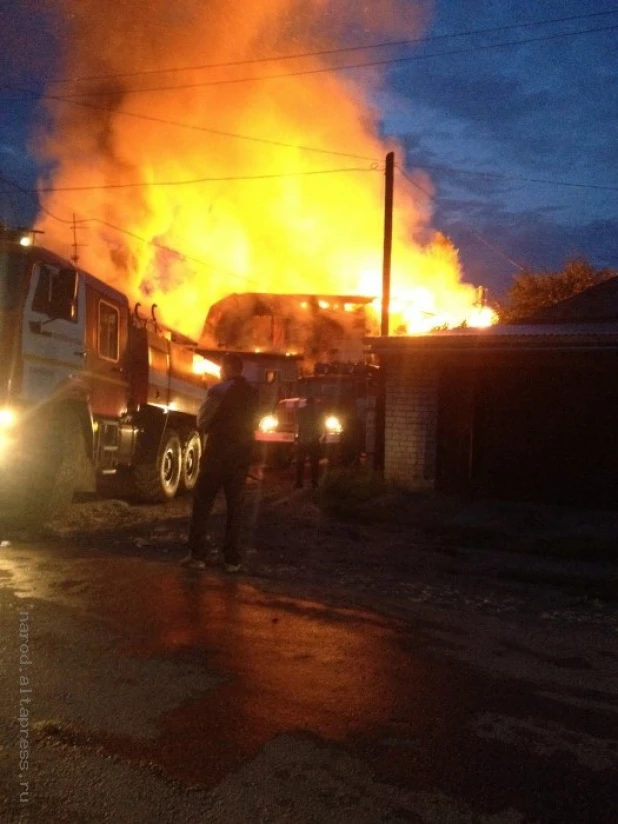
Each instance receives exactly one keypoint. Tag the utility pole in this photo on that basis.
(388, 241)
(380, 411)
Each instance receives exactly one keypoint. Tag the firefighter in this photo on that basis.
(228, 419)
(309, 442)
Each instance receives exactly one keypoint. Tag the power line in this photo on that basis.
(474, 231)
(189, 126)
(414, 183)
(164, 121)
(471, 229)
(154, 243)
(32, 195)
(327, 69)
(73, 101)
(518, 179)
(205, 180)
(493, 248)
(340, 50)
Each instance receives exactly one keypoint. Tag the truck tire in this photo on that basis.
(54, 468)
(191, 454)
(159, 481)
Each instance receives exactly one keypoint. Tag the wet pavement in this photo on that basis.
(166, 694)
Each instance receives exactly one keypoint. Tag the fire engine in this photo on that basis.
(345, 395)
(89, 387)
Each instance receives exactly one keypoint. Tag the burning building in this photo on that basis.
(320, 328)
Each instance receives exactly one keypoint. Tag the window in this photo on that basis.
(270, 376)
(109, 330)
(55, 292)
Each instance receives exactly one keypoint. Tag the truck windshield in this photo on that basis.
(12, 274)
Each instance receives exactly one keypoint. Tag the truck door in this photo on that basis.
(53, 331)
(106, 351)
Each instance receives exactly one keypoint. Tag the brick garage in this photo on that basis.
(519, 413)
(411, 422)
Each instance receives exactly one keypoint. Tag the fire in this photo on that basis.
(420, 311)
(184, 192)
(482, 317)
(204, 366)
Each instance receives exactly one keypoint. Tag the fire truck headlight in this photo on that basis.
(268, 423)
(7, 419)
(333, 425)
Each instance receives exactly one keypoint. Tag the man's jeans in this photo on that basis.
(217, 474)
(311, 451)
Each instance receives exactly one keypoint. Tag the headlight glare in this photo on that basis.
(268, 423)
(333, 425)
(7, 418)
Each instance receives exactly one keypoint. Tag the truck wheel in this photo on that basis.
(159, 481)
(55, 472)
(191, 455)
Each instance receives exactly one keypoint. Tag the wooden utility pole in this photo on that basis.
(380, 416)
(388, 241)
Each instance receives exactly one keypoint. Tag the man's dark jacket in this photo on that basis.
(228, 417)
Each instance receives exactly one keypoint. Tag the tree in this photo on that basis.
(532, 291)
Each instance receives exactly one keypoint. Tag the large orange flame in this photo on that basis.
(271, 214)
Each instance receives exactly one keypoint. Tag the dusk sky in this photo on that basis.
(511, 108)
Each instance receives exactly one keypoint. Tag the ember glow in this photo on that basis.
(291, 186)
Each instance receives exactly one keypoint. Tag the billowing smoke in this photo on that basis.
(270, 214)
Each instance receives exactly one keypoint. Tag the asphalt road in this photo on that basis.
(161, 694)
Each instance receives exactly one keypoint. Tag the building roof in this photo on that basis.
(595, 304)
(504, 336)
(585, 321)
(246, 354)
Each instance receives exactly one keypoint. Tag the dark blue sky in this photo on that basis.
(30, 44)
(520, 140)
(491, 123)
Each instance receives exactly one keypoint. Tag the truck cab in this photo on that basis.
(346, 403)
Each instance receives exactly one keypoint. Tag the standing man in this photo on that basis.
(228, 419)
(309, 442)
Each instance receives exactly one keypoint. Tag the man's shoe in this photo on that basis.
(232, 568)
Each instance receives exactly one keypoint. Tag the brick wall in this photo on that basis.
(411, 423)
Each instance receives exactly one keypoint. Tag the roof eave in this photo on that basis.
(453, 343)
